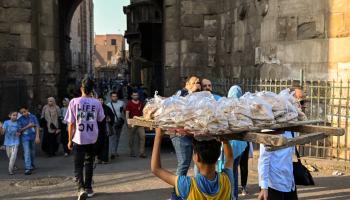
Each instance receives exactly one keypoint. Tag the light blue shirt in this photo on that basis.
(11, 128)
(276, 168)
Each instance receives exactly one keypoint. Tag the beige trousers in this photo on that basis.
(133, 133)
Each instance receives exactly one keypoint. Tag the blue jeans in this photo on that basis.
(114, 141)
(29, 153)
(235, 176)
(183, 148)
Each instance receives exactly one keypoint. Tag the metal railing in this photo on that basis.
(326, 100)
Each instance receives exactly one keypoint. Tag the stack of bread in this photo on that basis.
(200, 113)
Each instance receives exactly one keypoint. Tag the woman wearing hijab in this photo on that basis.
(51, 114)
(238, 147)
(64, 130)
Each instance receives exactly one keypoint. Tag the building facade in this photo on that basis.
(110, 56)
(144, 35)
(247, 39)
(82, 40)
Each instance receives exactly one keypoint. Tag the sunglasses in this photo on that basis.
(207, 85)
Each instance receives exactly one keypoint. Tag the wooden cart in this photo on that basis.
(272, 139)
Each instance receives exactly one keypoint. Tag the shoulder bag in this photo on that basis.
(302, 176)
(120, 121)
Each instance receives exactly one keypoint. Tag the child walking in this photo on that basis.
(11, 130)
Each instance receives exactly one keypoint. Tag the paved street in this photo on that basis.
(130, 179)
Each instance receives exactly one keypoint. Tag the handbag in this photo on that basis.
(120, 121)
(302, 176)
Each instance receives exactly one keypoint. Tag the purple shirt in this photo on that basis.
(85, 112)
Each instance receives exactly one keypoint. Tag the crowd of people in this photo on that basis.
(90, 127)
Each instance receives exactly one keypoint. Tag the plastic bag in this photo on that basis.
(152, 106)
(259, 109)
(202, 115)
(293, 107)
(233, 110)
(169, 114)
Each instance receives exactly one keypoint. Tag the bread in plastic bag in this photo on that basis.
(232, 109)
(152, 106)
(169, 114)
(259, 109)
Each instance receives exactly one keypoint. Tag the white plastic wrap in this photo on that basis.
(260, 109)
(202, 114)
(294, 105)
(170, 113)
(152, 106)
(235, 112)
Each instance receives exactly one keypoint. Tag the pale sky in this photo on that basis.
(109, 17)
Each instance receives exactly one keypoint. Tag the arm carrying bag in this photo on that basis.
(302, 176)
(120, 121)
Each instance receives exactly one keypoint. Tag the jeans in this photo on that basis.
(11, 152)
(114, 141)
(29, 153)
(84, 156)
(132, 132)
(183, 148)
(235, 176)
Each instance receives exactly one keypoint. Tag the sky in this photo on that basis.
(109, 16)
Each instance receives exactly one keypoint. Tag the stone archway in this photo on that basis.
(66, 12)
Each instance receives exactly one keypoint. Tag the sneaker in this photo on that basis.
(112, 157)
(90, 193)
(11, 173)
(132, 155)
(244, 191)
(65, 154)
(28, 172)
(82, 195)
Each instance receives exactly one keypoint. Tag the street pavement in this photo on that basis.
(128, 178)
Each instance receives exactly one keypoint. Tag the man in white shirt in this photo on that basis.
(117, 107)
(276, 178)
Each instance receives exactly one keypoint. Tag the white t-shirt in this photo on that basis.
(117, 105)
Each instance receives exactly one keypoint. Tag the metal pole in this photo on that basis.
(301, 78)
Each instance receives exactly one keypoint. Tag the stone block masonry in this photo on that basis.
(291, 36)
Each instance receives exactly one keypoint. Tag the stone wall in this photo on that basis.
(28, 45)
(256, 39)
(31, 43)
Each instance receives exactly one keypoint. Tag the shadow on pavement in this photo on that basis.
(326, 188)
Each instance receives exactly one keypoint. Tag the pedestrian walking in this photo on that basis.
(51, 114)
(238, 147)
(10, 129)
(134, 109)
(243, 166)
(183, 144)
(117, 107)
(64, 128)
(105, 129)
(82, 116)
(30, 130)
(276, 178)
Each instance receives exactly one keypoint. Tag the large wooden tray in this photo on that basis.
(273, 140)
